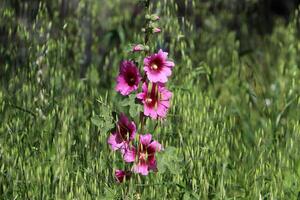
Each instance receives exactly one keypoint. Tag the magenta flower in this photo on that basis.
(125, 132)
(157, 67)
(128, 79)
(144, 155)
(122, 175)
(156, 100)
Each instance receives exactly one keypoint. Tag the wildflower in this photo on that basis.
(157, 67)
(145, 155)
(128, 79)
(125, 132)
(156, 100)
(122, 175)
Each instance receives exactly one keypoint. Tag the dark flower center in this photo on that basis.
(123, 133)
(148, 100)
(144, 152)
(156, 64)
(131, 79)
(153, 96)
(143, 156)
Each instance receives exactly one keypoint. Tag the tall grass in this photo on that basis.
(234, 122)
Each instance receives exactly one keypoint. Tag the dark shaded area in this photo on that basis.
(259, 17)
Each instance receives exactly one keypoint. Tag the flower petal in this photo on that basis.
(169, 64)
(141, 168)
(153, 147)
(164, 55)
(112, 141)
(167, 71)
(120, 174)
(145, 139)
(129, 154)
(140, 96)
(156, 77)
(152, 164)
(165, 94)
(148, 111)
(161, 110)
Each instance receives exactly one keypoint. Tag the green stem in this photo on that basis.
(142, 122)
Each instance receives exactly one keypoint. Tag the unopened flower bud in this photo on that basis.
(156, 30)
(138, 47)
(155, 17)
(122, 175)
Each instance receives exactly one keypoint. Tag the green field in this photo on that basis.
(232, 132)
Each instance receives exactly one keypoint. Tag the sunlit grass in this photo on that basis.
(234, 121)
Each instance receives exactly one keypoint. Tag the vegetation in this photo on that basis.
(233, 131)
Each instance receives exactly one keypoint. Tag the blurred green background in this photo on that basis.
(235, 116)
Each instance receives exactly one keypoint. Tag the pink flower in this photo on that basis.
(156, 100)
(128, 79)
(125, 132)
(157, 67)
(145, 155)
(122, 175)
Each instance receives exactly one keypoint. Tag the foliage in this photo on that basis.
(234, 119)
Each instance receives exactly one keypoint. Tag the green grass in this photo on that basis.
(234, 121)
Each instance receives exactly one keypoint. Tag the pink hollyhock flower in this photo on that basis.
(156, 100)
(128, 79)
(145, 155)
(122, 175)
(125, 132)
(157, 67)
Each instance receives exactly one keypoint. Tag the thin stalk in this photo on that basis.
(142, 122)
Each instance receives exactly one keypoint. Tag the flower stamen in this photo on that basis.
(148, 100)
(143, 156)
(154, 66)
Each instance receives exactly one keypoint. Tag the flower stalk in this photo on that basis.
(136, 147)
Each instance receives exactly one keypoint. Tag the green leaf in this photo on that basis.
(134, 110)
(104, 121)
(168, 159)
(108, 125)
(97, 121)
(125, 102)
